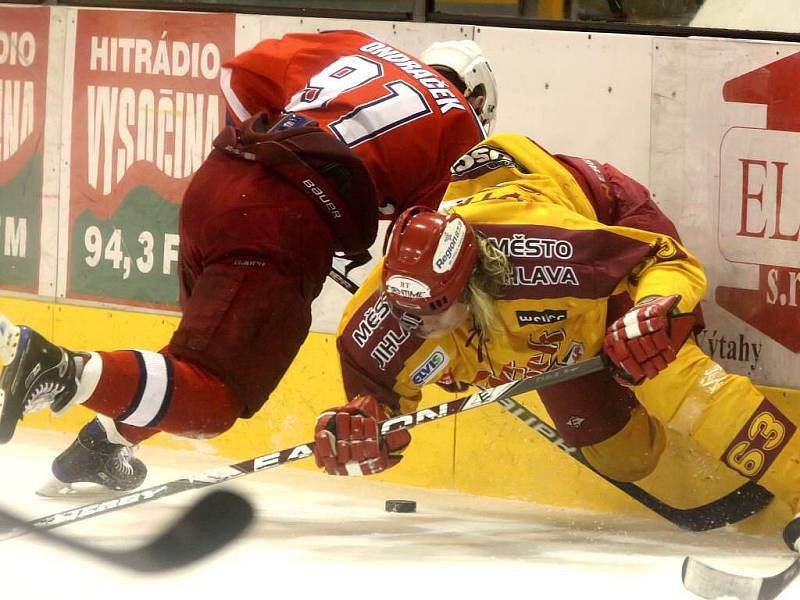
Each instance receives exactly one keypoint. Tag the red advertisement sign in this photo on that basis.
(759, 220)
(23, 87)
(146, 107)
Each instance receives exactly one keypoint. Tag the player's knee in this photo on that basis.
(633, 452)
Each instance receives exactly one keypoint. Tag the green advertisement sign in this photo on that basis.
(131, 256)
(20, 221)
(145, 109)
(24, 39)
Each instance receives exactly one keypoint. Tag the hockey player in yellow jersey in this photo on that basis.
(522, 272)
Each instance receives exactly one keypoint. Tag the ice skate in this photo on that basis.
(93, 465)
(36, 374)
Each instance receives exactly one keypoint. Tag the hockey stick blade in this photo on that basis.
(211, 523)
(302, 451)
(708, 582)
(741, 503)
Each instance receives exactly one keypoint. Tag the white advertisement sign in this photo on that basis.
(725, 165)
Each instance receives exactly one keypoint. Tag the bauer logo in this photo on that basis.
(400, 285)
(449, 246)
(320, 195)
(540, 317)
(432, 366)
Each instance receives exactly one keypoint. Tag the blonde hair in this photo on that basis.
(488, 282)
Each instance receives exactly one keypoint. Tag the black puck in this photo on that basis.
(401, 506)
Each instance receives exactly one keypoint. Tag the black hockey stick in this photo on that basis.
(732, 508)
(708, 582)
(207, 526)
(302, 451)
(342, 279)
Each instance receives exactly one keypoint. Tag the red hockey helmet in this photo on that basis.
(430, 259)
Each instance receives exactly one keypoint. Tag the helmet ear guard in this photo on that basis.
(429, 261)
(468, 61)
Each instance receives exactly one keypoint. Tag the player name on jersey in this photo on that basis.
(436, 86)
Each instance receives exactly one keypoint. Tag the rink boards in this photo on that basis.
(103, 126)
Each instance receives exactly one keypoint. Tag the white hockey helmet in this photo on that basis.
(466, 58)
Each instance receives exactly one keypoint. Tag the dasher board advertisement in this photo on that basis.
(144, 113)
(23, 88)
(726, 166)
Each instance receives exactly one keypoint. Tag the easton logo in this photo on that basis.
(540, 317)
(433, 365)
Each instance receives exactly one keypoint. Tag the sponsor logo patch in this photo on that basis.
(575, 422)
(449, 246)
(400, 285)
(540, 317)
(433, 365)
(482, 159)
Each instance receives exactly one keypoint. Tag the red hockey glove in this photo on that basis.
(646, 339)
(348, 440)
(449, 384)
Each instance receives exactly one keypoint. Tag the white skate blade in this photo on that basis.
(55, 488)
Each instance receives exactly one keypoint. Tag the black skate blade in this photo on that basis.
(214, 521)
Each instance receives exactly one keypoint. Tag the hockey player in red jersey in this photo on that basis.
(405, 121)
(259, 225)
(408, 119)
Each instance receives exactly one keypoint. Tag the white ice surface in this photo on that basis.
(323, 538)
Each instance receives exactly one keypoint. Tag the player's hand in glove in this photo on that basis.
(647, 338)
(347, 439)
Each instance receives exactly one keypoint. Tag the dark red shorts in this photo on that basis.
(590, 409)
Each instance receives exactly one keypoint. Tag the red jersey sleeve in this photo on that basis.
(256, 80)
